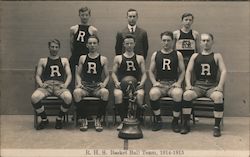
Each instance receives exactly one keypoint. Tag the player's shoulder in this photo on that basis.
(104, 58)
(74, 27)
(176, 34)
(118, 57)
(43, 60)
(217, 54)
(195, 33)
(139, 57)
(93, 29)
(64, 59)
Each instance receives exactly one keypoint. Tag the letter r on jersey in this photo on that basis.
(130, 66)
(205, 68)
(54, 69)
(81, 36)
(166, 63)
(91, 67)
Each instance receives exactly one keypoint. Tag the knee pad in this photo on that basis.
(219, 107)
(37, 105)
(155, 104)
(177, 106)
(186, 104)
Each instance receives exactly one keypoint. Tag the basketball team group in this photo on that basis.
(184, 68)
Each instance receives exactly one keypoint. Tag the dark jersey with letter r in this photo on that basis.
(205, 68)
(54, 70)
(166, 66)
(186, 44)
(129, 67)
(92, 69)
(80, 40)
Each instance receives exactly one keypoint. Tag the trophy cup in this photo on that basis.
(131, 126)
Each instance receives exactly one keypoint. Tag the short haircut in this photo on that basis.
(131, 9)
(129, 36)
(56, 41)
(187, 14)
(83, 9)
(209, 34)
(94, 36)
(167, 33)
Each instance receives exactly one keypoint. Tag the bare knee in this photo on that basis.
(217, 97)
(118, 96)
(77, 94)
(67, 97)
(189, 95)
(104, 94)
(154, 94)
(37, 96)
(177, 94)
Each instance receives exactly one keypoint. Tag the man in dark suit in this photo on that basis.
(141, 37)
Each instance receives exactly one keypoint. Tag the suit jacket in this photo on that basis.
(141, 39)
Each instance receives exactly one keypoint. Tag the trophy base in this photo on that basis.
(130, 130)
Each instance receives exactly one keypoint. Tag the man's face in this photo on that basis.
(187, 21)
(84, 16)
(129, 44)
(92, 44)
(54, 49)
(206, 42)
(132, 18)
(167, 42)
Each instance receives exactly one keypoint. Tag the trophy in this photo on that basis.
(131, 126)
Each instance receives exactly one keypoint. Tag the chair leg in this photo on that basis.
(193, 116)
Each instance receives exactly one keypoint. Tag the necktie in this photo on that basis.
(132, 30)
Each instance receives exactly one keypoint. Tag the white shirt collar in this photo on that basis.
(129, 27)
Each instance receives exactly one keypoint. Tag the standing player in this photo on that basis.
(205, 67)
(166, 73)
(79, 34)
(128, 64)
(186, 39)
(50, 76)
(89, 82)
(141, 37)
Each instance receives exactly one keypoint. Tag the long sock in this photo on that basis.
(102, 109)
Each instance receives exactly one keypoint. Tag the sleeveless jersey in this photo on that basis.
(80, 40)
(186, 44)
(92, 69)
(166, 66)
(54, 70)
(205, 68)
(129, 67)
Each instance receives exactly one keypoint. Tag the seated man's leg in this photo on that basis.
(104, 94)
(139, 102)
(67, 99)
(176, 94)
(155, 94)
(36, 98)
(78, 94)
(217, 97)
(188, 96)
(121, 107)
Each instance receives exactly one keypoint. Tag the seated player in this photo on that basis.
(166, 73)
(53, 77)
(89, 82)
(128, 64)
(205, 66)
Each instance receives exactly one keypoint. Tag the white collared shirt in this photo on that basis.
(129, 28)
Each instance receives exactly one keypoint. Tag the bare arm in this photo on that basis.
(39, 71)
(223, 72)
(151, 71)
(79, 70)
(93, 30)
(114, 71)
(143, 71)
(181, 69)
(176, 34)
(189, 71)
(105, 70)
(71, 37)
(197, 42)
(67, 71)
